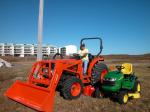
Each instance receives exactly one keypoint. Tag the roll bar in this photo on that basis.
(94, 38)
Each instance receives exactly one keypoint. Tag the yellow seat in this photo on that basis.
(127, 68)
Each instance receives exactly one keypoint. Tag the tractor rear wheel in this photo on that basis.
(72, 88)
(98, 72)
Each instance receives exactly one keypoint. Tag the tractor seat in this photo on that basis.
(127, 70)
(90, 56)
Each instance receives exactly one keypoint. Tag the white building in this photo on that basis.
(68, 50)
(28, 49)
(2, 49)
(8, 49)
(18, 50)
(53, 49)
(21, 50)
(46, 50)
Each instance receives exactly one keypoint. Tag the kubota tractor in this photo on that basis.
(64, 75)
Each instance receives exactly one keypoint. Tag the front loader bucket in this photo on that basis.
(33, 96)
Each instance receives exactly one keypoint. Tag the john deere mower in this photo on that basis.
(64, 75)
(121, 84)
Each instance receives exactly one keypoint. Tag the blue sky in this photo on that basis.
(124, 25)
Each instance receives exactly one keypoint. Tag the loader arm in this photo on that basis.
(33, 96)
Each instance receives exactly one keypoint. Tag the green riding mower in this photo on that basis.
(122, 84)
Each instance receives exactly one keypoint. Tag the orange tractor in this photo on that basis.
(63, 75)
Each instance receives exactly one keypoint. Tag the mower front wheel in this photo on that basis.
(123, 97)
(72, 88)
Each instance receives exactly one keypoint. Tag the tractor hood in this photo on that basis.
(112, 81)
(113, 76)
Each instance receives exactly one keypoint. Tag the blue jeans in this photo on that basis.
(85, 65)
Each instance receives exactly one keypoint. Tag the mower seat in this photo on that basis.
(127, 70)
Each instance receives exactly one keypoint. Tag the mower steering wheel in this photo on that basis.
(58, 54)
(120, 67)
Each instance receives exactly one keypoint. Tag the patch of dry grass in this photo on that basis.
(84, 103)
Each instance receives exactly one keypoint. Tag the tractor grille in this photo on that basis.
(109, 83)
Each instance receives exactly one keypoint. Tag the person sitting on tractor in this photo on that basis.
(83, 52)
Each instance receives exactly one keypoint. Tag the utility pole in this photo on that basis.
(40, 30)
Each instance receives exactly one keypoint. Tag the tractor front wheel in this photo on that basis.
(123, 97)
(72, 88)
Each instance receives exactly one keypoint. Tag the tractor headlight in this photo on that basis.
(113, 79)
(110, 79)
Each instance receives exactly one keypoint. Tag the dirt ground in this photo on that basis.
(83, 104)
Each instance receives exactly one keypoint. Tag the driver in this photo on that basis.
(83, 52)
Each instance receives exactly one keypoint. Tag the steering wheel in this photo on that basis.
(120, 67)
(76, 56)
(58, 54)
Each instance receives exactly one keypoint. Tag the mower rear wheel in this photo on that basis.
(137, 86)
(123, 97)
(98, 72)
(72, 88)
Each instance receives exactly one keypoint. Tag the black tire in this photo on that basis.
(97, 93)
(61, 56)
(96, 72)
(121, 96)
(67, 85)
(61, 81)
(136, 84)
